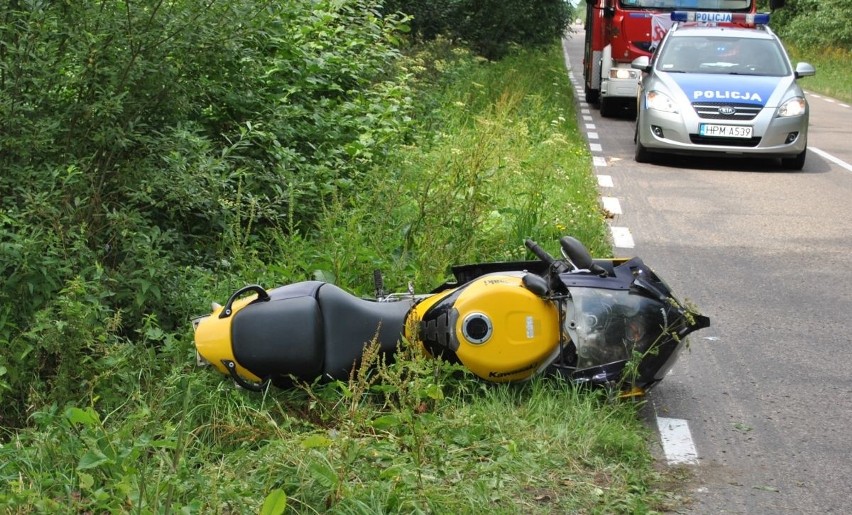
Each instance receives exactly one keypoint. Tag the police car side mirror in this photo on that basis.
(805, 70)
(641, 63)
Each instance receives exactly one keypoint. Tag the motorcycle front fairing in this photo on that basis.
(627, 317)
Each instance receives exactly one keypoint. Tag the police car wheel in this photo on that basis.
(795, 163)
(642, 155)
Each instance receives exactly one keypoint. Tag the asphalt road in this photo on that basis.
(767, 390)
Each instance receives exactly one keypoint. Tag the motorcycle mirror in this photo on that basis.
(576, 253)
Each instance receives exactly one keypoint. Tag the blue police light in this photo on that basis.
(720, 17)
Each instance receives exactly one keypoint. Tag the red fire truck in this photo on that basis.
(618, 31)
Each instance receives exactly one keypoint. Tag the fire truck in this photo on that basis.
(618, 31)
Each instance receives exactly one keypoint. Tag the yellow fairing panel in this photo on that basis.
(497, 328)
(213, 339)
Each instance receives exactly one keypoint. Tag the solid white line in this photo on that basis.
(831, 158)
(605, 181)
(612, 205)
(622, 238)
(599, 161)
(677, 441)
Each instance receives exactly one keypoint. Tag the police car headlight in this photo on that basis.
(660, 102)
(793, 107)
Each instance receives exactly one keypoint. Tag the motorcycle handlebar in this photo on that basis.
(539, 252)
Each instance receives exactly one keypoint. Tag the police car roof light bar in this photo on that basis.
(721, 17)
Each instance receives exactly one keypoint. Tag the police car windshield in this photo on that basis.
(727, 55)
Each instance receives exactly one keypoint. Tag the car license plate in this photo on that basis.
(724, 131)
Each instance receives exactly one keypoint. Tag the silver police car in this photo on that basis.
(722, 91)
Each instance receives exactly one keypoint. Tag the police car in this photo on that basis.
(725, 89)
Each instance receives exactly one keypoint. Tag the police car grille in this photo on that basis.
(727, 142)
(710, 111)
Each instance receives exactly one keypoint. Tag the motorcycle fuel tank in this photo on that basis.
(493, 325)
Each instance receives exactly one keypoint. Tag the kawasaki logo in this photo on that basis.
(726, 95)
(511, 372)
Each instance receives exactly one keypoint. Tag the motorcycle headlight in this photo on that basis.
(660, 102)
(793, 107)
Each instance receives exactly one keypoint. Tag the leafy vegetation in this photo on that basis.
(489, 27)
(819, 33)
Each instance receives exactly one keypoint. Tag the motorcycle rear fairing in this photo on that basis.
(305, 330)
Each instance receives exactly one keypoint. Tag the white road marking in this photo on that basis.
(622, 238)
(587, 118)
(605, 181)
(599, 161)
(590, 126)
(592, 135)
(595, 147)
(677, 441)
(611, 204)
(826, 155)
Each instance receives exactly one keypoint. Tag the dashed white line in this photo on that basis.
(677, 441)
(612, 205)
(605, 181)
(622, 238)
(595, 147)
(592, 135)
(599, 161)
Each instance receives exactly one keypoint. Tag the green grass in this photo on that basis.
(499, 158)
(833, 77)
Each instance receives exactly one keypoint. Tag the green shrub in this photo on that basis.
(489, 27)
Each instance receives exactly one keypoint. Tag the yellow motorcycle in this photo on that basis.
(597, 321)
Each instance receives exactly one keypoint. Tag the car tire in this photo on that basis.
(609, 107)
(642, 155)
(591, 95)
(795, 163)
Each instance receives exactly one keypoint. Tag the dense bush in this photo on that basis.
(489, 27)
(812, 24)
(144, 145)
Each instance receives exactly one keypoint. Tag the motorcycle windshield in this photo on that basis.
(607, 325)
